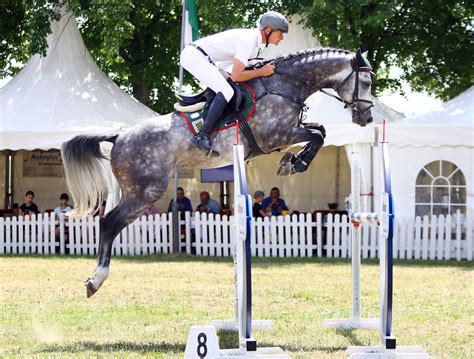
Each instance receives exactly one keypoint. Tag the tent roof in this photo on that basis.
(450, 125)
(63, 94)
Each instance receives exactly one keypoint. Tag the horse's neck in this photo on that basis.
(323, 71)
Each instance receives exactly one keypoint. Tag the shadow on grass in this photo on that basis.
(256, 261)
(230, 340)
(351, 336)
(78, 347)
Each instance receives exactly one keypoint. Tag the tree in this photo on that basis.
(430, 40)
(135, 42)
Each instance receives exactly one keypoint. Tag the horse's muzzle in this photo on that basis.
(362, 119)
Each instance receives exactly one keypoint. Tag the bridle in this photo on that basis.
(353, 104)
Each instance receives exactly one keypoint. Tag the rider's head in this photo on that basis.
(273, 25)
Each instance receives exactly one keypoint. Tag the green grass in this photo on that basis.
(148, 304)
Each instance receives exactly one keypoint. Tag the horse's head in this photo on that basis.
(355, 89)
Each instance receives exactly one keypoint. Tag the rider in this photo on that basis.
(232, 47)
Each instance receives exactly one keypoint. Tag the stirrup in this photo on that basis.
(206, 146)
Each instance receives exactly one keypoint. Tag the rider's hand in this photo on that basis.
(267, 69)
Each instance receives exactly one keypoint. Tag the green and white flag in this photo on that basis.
(191, 25)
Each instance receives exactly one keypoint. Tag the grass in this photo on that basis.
(148, 304)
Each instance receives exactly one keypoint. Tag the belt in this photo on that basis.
(202, 52)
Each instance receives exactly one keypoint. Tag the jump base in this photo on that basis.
(270, 353)
(231, 325)
(352, 323)
(404, 352)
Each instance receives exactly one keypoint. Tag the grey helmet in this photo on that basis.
(275, 20)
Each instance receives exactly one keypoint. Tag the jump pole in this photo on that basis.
(202, 340)
(233, 324)
(385, 218)
(355, 321)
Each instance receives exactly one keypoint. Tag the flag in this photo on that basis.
(191, 25)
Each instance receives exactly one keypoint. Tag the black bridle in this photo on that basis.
(353, 104)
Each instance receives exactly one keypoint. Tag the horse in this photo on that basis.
(146, 156)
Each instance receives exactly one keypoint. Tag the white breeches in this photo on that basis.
(199, 66)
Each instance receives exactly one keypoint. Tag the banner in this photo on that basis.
(42, 164)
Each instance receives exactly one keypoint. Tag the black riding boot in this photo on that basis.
(202, 139)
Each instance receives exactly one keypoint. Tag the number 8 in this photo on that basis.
(202, 348)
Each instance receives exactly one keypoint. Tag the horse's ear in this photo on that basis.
(364, 54)
(359, 59)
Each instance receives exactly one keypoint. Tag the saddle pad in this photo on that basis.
(195, 120)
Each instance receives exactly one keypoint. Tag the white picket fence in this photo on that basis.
(429, 238)
(37, 234)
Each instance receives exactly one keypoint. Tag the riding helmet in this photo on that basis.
(275, 20)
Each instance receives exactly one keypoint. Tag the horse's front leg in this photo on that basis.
(314, 136)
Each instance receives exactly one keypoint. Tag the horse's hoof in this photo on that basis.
(90, 290)
(287, 158)
(285, 169)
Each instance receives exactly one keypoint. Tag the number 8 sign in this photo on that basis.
(202, 343)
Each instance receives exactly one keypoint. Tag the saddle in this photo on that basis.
(196, 102)
(194, 107)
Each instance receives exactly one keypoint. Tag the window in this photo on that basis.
(440, 189)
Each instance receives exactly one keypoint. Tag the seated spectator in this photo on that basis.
(274, 205)
(184, 204)
(100, 211)
(16, 209)
(208, 205)
(28, 208)
(257, 209)
(152, 210)
(64, 206)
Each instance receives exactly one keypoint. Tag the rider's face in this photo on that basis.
(275, 37)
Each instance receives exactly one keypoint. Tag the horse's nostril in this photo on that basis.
(370, 120)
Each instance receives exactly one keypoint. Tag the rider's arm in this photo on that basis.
(239, 73)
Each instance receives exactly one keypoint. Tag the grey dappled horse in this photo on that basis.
(147, 155)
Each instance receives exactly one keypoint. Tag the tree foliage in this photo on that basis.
(429, 40)
(136, 42)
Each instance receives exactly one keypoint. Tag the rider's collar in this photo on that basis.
(259, 38)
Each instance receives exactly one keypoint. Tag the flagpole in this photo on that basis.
(176, 227)
(183, 24)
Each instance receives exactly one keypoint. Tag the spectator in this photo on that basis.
(274, 205)
(64, 206)
(28, 208)
(151, 211)
(257, 209)
(16, 209)
(208, 205)
(100, 211)
(184, 204)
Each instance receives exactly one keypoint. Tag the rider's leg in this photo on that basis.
(199, 66)
(202, 138)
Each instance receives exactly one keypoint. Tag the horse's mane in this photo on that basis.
(305, 53)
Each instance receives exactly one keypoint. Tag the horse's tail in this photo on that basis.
(86, 168)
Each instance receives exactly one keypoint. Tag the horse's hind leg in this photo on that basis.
(125, 213)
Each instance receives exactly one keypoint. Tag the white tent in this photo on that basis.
(56, 97)
(63, 94)
(446, 134)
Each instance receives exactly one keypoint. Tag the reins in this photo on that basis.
(353, 104)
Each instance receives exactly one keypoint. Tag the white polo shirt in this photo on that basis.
(224, 47)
